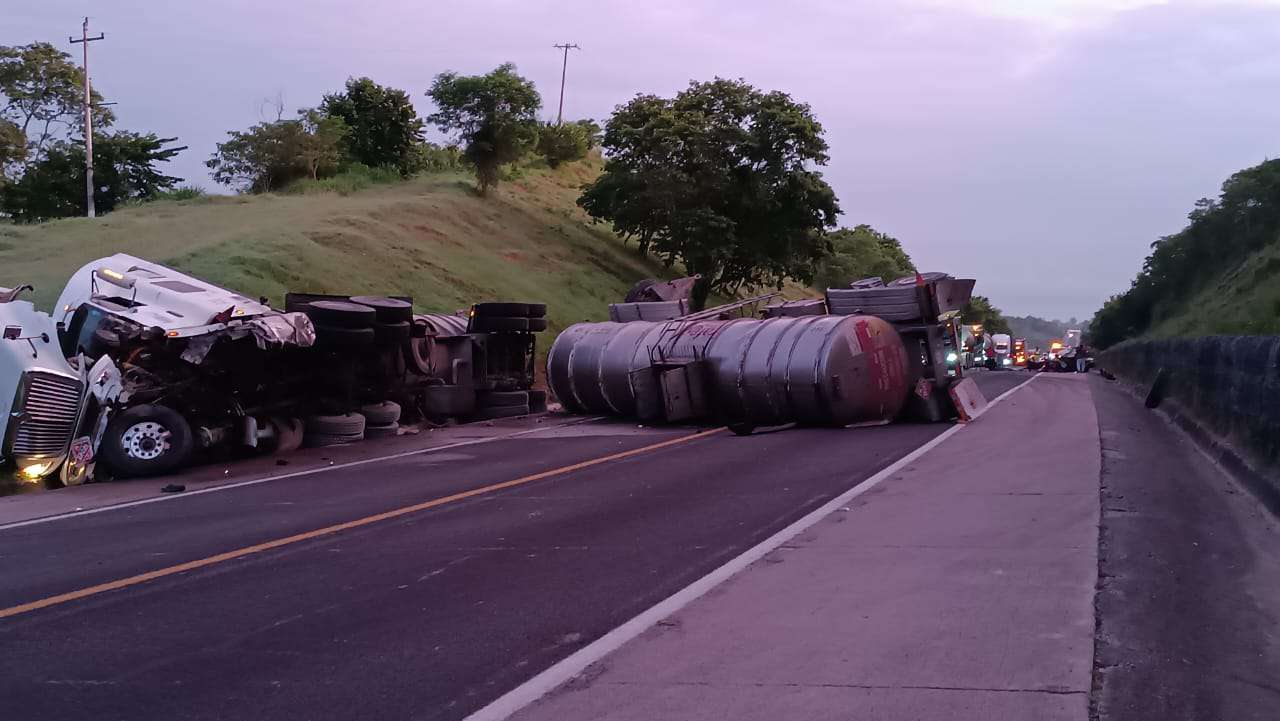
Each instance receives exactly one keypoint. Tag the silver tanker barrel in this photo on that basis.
(816, 370)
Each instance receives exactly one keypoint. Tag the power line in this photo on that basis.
(566, 47)
(88, 116)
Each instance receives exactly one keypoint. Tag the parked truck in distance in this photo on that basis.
(143, 367)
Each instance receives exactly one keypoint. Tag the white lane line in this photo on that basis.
(294, 474)
(574, 664)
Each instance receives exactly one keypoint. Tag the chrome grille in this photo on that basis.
(47, 418)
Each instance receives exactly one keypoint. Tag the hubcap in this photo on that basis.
(145, 441)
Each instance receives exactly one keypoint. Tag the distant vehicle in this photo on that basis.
(1019, 352)
(1055, 349)
(1003, 346)
(1073, 338)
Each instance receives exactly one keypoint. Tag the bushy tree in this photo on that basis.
(592, 130)
(493, 116)
(721, 179)
(384, 127)
(562, 143)
(123, 170)
(862, 252)
(43, 95)
(269, 156)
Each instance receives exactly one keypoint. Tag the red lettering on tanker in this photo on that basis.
(886, 373)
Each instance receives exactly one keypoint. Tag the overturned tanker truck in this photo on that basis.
(869, 353)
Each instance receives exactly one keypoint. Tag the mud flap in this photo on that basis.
(968, 399)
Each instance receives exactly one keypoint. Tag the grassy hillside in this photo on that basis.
(1242, 301)
(430, 238)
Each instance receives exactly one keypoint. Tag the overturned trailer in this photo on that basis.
(869, 353)
(145, 367)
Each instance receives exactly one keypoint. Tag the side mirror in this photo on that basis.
(12, 332)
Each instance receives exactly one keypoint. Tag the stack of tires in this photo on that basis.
(382, 420)
(334, 430)
(491, 405)
(507, 317)
(362, 320)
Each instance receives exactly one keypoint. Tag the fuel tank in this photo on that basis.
(815, 370)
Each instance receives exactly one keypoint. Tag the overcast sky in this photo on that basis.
(1037, 145)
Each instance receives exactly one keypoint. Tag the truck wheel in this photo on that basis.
(639, 290)
(386, 310)
(347, 424)
(339, 314)
(380, 414)
(498, 324)
(147, 440)
(537, 325)
(397, 332)
(321, 440)
(339, 337)
(388, 430)
(492, 310)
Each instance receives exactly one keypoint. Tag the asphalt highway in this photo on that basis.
(416, 588)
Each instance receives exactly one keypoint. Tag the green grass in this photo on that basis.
(432, 238)
(1242, 301)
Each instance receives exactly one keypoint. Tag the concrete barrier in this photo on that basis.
(1228, 385)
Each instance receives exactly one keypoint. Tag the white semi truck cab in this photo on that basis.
(41, 391)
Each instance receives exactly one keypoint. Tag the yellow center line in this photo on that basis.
(336, 528)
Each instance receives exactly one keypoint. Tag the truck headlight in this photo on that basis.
(34, 471)
(1008, 361)
(952, 357)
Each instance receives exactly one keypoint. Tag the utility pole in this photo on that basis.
(563, 71)
(88, 117)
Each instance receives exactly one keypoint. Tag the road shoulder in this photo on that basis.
(961, 588)
(1189, 596)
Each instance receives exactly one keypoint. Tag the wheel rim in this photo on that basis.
(145, 441)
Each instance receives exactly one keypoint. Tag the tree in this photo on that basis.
(562, 143)
(321, 142)
(592, 130)
(269, 156)
(862, 252)
(13, 149)
(384, 127)
(494, 117)
(43, 92)
(123, 170)
(718, 179)
(980, 311)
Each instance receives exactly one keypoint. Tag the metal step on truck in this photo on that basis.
(143, 368)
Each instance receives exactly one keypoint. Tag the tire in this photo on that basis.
(321, 440)
(538, 401)
(289, 434)
(339, 314)
(502, 399)
(386, 310)
(347, 424)
(495, 310)
(388, 430)
(397, 332)
(499, 324)
(147, 440)
(639, 290)
(537, 310)
(380, 414)
(537, 325)
(494, 413)
(337, 337)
